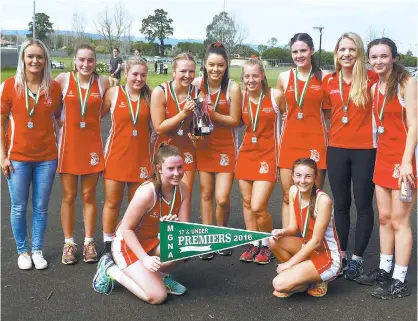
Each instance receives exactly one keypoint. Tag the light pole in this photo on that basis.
(320, 44)
(34, 36)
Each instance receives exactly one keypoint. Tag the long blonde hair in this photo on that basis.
(253, 62)
(181, 56)
(46, 76)
(145, 90)
(358, 92)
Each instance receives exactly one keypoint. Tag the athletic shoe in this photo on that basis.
(392, 290)
(250, 252)
(207, 256)
(264, 256)
(24, 262)
(355, 269)
(318, 290)
(89, 253)
(344, 266)
(224, 252)
(102, 283)
(39, 261)
(172, 286)
(69, 253)
(374, 277)
(107, 248)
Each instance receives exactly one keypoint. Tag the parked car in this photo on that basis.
(57, 64)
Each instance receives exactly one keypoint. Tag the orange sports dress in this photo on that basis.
(257, 161)
(327, 258)
(219, 155)
(127, 149)
(80, 149)
(182, 142)
(391, 143)
(360, 131)
(147, 230)
(306, 137)
(26, 144)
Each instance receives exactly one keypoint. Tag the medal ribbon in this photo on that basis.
(28, 94)
(217, 97)
(83, 103)
(382, 111)
(174, 95)
(171, 205)
(254, 122)
(305, 226)
(134, 118)
(345, 106)
(300, 100)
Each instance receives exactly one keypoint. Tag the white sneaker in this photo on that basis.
(39, 261)
(24, 262)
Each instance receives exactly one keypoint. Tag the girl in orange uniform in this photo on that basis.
(127, 150)
(216, 158)
(303, 131)
(256, 167)
(352, 146)
(172, 107)
(28, 146)
(309, 262)
(80, 148)
(135, 248)
(395, 111)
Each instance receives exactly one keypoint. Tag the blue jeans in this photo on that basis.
(42, 175)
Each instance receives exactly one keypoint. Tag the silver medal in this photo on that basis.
(134, 132)
(381, 129)
(205, 130)
(30, 124)
(344, 119)
(300, 115)
(254, 140)
(180, 132)
(82, 124)
(211, 127)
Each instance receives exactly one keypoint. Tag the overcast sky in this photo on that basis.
(263, 19)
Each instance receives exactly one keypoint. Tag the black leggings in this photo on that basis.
(357, 165)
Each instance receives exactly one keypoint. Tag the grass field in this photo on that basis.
(153, 78)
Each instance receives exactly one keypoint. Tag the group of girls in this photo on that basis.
(284, 131)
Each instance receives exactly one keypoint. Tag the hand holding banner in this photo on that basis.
(180, 240)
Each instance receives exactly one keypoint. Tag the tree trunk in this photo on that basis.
(161, 47)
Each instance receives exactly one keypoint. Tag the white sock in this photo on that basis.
(265, 242)
(399, 272)
(386, 262)
(356, 258)
(87, 240)
(107, 237)
(114, 272)
(69, 241)
(256, 243)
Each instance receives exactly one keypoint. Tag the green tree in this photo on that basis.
(283, 55)
(158, 27)
(147, 49)
(272, 42)
(261, 49)
(43, 28)
(194, 48)
(226, 30)
(246, 51)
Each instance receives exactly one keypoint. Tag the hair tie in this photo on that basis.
(255, 57)
(218, 44)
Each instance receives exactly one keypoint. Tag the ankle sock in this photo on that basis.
(114, 273)
(69, 241)
(386, 262)
(356, 258)
(265, 242)
(256, 243)
(399, 272)
(107, 237)
(87, 240)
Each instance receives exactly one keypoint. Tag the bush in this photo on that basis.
(101, 67)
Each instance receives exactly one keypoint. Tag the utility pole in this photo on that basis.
(320, 44)
(223, 26)
(33, 34)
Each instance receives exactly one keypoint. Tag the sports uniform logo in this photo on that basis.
(122, 105)
(316, 87)
(154, 215)
(396, 171)
(96, 95)
(144, 173)
(315, 155)
(224, 160)
(335, 91)
(264, 168)
(267, 110)
(94, 159)
(48, 101)
(290, 88)
(70, 94)
(188, 158)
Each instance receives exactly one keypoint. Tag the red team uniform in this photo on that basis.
(306, 137)
(26, 144)
(147, 230)
(81, 149)
(182, 142)
(391, 143)
(127, 150)
(257, 161)
(219, 155)
(327, 258)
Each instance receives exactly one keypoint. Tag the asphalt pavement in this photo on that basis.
(221, 289)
